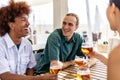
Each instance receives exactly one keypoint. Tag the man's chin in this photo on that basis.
(65, 35)
(25, 35)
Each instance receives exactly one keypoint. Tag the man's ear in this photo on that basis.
(76, 27)
(11, 25)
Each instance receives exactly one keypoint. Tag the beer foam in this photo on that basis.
(78, 59)
(54, 67)
(88, 46)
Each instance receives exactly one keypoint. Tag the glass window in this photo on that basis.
(78, 7)
(96, 10)
(42, 16)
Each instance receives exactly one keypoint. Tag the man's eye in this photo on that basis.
(70, 24)
(64, 23)
(23, 19)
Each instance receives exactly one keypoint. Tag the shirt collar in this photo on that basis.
(9, 41)
(71, 40)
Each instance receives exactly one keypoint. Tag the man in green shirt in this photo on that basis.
(63, 44)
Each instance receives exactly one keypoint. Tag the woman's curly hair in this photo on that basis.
(10, 12)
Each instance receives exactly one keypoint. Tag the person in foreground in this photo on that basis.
(113, 61)
(113, 14)
(16, 57)
(62, 44)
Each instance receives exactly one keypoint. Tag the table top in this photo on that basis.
(97, 72)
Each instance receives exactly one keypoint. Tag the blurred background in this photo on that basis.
(47, 15)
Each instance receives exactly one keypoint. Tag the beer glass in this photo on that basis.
(83, 74)
(80, 61)
(87, 47)
(55, 68)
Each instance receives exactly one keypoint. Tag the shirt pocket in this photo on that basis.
(24, 63)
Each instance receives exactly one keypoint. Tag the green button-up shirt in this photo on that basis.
(58, 48)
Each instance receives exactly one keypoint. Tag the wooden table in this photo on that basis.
(98, 72)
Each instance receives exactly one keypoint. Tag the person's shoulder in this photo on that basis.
(115, 53)
(77, 35)
(2, 40)
(3, 43)
(114, 63)
(55, 34)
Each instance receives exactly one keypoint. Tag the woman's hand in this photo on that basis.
(92, 54)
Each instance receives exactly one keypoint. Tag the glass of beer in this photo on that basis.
(83, 74)
(87, 47)
(80, 61)
(55, 68)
